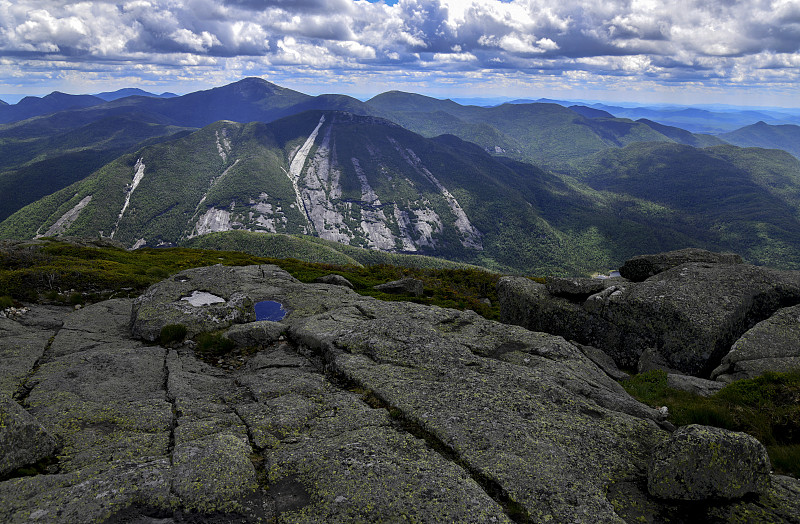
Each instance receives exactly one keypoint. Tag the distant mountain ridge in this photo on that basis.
(367, 182)
(401, 173)
(761, 134)
(32, 106)
(109, 96)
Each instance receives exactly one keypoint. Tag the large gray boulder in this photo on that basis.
(642, 267)
(696, 385)
(684, 319)
(771, 345)
(702, 463)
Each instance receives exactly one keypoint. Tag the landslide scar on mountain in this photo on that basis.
(296, 168)
(66, 220)
(137, 178)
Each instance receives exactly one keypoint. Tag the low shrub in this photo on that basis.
(785, 458)
(6, 302)
(171, 334)
(213, 344)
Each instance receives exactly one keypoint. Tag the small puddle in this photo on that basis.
(203, 298)
(269, 310)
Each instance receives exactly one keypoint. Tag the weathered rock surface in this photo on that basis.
(702, 462)
(576, 288)
(23, 441)
(771, 345)
(407, 286)
(253, 334)
(642, 267)
(685, 318)
(358, 411)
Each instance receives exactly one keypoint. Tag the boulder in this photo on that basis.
(771, 345)
(335, 280)
(23, 440)
(698, 386)
(603, 361)
(703, 462)
(688, 316)
(575, 288)
(404, 286)
(255, 334)
(642, 267)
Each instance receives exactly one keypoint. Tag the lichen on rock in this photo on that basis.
(706, 463)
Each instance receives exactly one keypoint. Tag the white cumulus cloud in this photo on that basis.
(673, 40)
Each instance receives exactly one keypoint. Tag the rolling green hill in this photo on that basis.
(725, 197)
(314, 249)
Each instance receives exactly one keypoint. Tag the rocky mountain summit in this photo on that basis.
(351, 409)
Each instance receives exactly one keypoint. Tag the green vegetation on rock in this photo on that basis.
(88, 271)
(767, 407)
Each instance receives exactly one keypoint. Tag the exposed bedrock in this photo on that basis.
(684, 318)
(349, 409)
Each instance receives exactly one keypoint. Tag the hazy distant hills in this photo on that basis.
(32, 106)
(701, 120)
(109, 96)
(761, 134)
(542, 133)
(517, 187)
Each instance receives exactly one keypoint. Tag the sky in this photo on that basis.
(743, 52)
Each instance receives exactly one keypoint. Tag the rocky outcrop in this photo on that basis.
(349, 409)
(642, 267)
(701, 462)
(771, 345)
(405, 286)
(683, 319)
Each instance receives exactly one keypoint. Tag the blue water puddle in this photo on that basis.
(269, 310)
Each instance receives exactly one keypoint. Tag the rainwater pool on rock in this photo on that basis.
(269, 310)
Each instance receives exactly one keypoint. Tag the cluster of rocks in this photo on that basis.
(13, 312)
(349, 409)
(696, 314)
